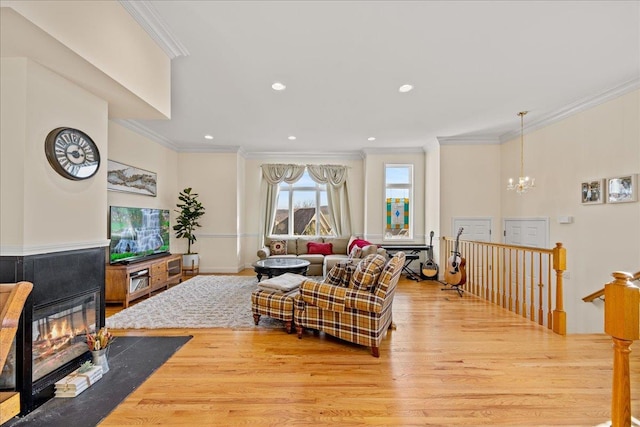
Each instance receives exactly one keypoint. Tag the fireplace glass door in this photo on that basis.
(59, 332)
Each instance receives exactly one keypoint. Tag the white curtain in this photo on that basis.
(272, 176)
(335, 177)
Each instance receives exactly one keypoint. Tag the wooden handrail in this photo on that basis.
(592, 297)
(622, 322)
(518, 278)
(600, 293)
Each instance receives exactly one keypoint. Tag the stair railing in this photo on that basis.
(522, 279)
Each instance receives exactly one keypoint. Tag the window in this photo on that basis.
(398, 201)
(302, 209)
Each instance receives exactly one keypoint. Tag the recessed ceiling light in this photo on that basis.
(292, 138)
(208, 137)
(278, 86)
(405, 88)
(371, 138)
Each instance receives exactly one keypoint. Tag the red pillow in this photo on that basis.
(359, 243)
(319, 248)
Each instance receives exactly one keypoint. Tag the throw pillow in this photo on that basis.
(359, 243)
(367, 272)
(356, 252)
(340, 274)
(278, 247)
(319, 248)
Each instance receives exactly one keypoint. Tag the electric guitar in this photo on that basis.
(430, 268)
(455, 274)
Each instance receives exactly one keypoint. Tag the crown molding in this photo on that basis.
(574, 108)
(282, 156)
(469, 140)
(199, 148)
(146, 132)
(392, 150)
(148, 18)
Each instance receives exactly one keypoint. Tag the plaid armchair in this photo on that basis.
(360, 313)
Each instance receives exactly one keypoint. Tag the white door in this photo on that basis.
(532, 232)
(477, 229)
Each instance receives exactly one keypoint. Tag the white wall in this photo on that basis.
(432, 196)
(128, 147)
(470, 185)
(603, 141)
(13, 87)
(105, 35)
(375, 196)
(214, 176)
(46, 212)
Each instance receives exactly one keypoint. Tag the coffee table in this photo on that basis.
(276, 266)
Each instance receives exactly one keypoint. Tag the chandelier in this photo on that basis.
(524, 182)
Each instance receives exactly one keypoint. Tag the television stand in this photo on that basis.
(127, 282)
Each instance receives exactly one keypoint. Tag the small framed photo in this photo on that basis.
(593, 192)
(622, 189)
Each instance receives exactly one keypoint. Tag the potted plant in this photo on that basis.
(190, 210)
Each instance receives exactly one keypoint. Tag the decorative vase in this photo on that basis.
(99, 358)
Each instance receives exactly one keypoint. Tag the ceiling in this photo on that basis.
(474, 65)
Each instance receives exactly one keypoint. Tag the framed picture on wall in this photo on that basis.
(129, 179)
(622, 189)
(592, 192)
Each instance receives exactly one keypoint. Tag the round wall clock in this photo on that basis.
(72, 153)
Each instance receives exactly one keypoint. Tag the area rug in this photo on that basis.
(200, 302)
(131, 361)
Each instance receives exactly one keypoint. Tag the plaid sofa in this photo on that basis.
(361, 316)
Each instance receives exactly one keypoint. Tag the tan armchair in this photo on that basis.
(360, 316)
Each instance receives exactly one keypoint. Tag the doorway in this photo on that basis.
(532, 232)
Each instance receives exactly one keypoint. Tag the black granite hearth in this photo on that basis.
(131, 361)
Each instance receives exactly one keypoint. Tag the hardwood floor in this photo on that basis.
(451, 361)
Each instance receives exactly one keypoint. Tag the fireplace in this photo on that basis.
(67, 301)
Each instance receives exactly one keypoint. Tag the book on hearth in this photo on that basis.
(77, 381)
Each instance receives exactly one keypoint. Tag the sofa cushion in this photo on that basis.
(312, 258)
(319, 248)
(367, 272)
(278, 247)
(368, 250)
(339, 244)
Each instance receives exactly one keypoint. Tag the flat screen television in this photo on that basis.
(137, 233)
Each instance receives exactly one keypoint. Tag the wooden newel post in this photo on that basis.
(559, 265)
(622, 322)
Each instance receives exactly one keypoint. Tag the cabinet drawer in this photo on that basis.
(158, 269)
(157, 280)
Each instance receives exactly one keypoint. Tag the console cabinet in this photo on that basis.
(125, 283)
